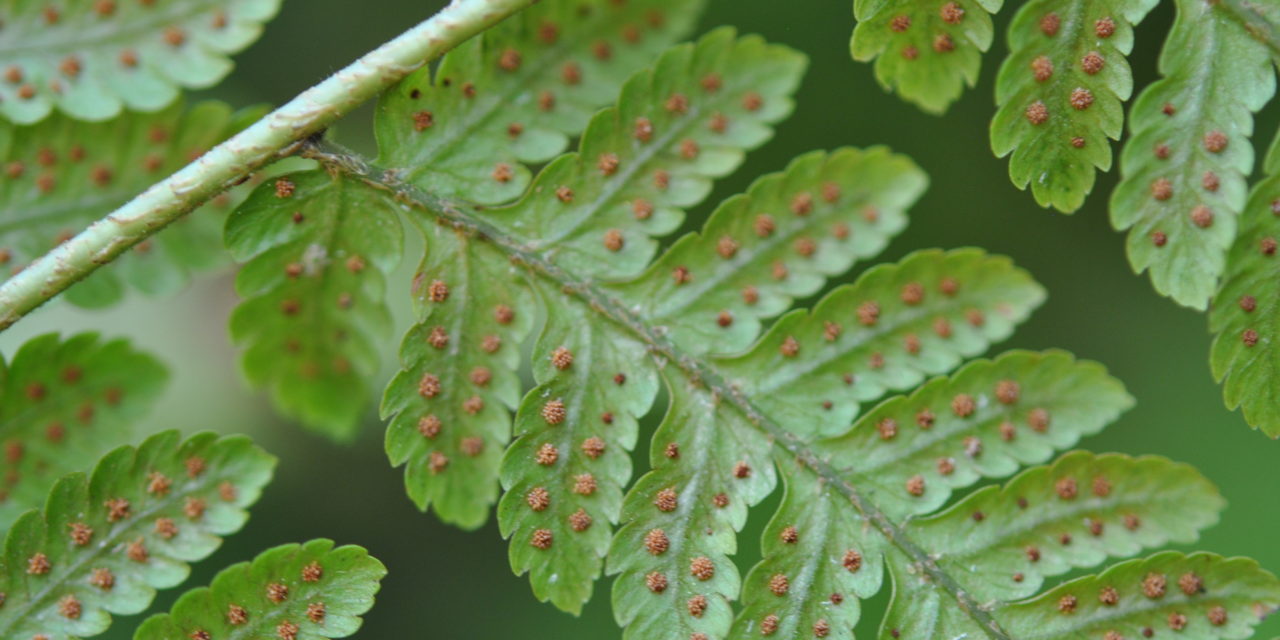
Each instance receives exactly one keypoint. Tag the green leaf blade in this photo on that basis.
(566, 471)
(314, 316)
(925, 51)
(91, 60)
(65, 403)
(1222, 598)
(986, 420)
(458, 381)
(1184, 169)
(1079, 511)
(779, 241)
(311, 590)
(1060, 93)
(105, 543)
(897, 324)
(688, 120)
(515, 95)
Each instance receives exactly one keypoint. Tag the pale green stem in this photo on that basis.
(229, 162)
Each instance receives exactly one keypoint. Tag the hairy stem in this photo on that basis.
(457, 214)
(233, 160)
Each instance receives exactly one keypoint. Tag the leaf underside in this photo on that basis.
(1244, 314)
(308, 591)
(926, 50)
(104, 543)
(1183, 170)
(578, 250)
(1060, 93)
(60, 176)
(91, 60)
(314, 316)
(64, 404)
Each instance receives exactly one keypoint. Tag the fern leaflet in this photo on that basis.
(926, 50)
(311, 591)
(105, 542)
(1184, 169)
(93, 59)
(64, 405)
(1060, 93)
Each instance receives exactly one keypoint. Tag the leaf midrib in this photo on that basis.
(457, 214)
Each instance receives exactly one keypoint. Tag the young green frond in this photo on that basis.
(515, 95)
(927, 51)
(64, 404)
(104, 543)
(308, 591)
(93, 59)
(61, 175)
(314, 317)
(1202, 596)
(1244, 316)
(1060, 93)
(1184, 168)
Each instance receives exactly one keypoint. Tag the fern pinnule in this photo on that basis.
(1199, 595)
(1183, 171)
(515, 95)
(64, 404)
(926, 51)
(93, 59)
(62, 175)
(779, 241)
(105, 542)
(1060, 93)
(1243, 314)
(309, 591)
(314, 317)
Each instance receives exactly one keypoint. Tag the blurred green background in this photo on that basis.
(447, 584)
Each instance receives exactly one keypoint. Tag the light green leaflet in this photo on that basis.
(1243, 318)
(93, 58)
(308, 591)
(63, 405)
(1060, 93)
(317, 251)
(515, 95)
(1184, 168)
(926, 50)
(104, 543)
(61, 175)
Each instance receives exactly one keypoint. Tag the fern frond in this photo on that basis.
(926, 50)
(679, 125)
(308, 591)
(1184, 169)
(1243, 356)
(516, 94)
(93, 59)
(1201, 595)
(779, 241)
(63, 175)
(104, 543)
(1060, 93)
(676, 127)
(64, 404)
(889, 330)
(314, 316)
